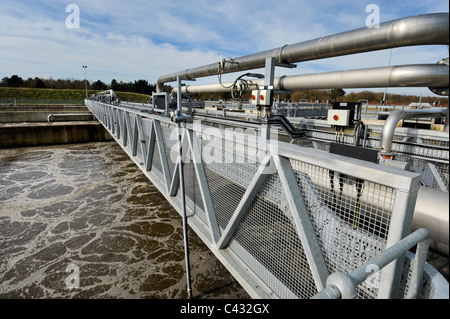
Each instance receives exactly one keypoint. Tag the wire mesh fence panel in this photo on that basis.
(228, 175)
(350, 216)
(276, 253)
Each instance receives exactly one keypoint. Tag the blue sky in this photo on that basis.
(137, 39)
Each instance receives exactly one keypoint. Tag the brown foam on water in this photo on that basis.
(88, 206)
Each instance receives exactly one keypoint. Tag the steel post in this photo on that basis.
(183, 196)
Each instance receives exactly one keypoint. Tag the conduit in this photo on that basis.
(416, 75)
(427, 29)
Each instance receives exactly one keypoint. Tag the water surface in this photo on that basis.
(82, 221)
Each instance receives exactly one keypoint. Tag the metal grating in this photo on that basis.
(192, 190)
(170, 140)
(268, 234)
(434, 174)
(228, 174)
(351, 217)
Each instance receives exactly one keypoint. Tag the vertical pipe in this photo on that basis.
(446, 120)
(85, 81)
(418, 265)
(183, 198)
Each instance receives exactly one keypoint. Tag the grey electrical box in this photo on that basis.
(161, 103)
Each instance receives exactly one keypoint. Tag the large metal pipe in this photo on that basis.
(416, 75)
(387, 134)
(431, 212)
(427, 29)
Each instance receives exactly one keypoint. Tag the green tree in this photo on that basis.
(14, 81)
(39, 84)
(98, 85)
(336, 94)
(114, 85)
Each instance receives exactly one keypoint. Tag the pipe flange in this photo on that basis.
(441, 91)
(280, 55)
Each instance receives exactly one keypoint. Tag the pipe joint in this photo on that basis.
(344, 284)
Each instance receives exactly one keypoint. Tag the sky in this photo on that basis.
(144, 39)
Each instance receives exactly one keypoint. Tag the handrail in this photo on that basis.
(343, 286)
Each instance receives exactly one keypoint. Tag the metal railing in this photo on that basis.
(280, 217)
(422, 151)
(16, 102)
(343, 286)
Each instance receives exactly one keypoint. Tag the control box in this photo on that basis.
(161, 103)
(266, 97)
(339, 117)
(262, 97)
(255, 98)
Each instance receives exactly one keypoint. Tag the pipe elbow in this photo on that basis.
(387, 134)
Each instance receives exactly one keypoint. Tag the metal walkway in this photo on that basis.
(289, 221)
(280, 217)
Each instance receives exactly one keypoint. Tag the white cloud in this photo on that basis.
(141, 39)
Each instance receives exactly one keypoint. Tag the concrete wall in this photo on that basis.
(19, 114)
(51, 133)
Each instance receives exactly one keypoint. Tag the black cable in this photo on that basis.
(356, 137)
(235, 92)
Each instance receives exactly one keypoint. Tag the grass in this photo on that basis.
(61, 95)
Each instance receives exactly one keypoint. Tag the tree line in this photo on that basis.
(143, 87)
(139, 86)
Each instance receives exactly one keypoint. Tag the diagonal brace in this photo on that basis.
(252, 190)
(302, 222)
(203, 185)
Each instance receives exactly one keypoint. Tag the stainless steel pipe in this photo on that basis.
(431, 212)
(416, 75)
(387, 134)
(427, 29)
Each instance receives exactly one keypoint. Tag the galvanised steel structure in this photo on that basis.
(280, 217)
(289, 221)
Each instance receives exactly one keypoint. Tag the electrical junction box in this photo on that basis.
(339, 117)
(265, 97)
(255, 97)
(161, 103)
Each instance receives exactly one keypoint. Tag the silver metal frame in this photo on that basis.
(289, 227)
(343, 286)
(142, 136)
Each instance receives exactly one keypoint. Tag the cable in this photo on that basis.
(221, 69)
(356, 133)
(239, 85)
(359, 190)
